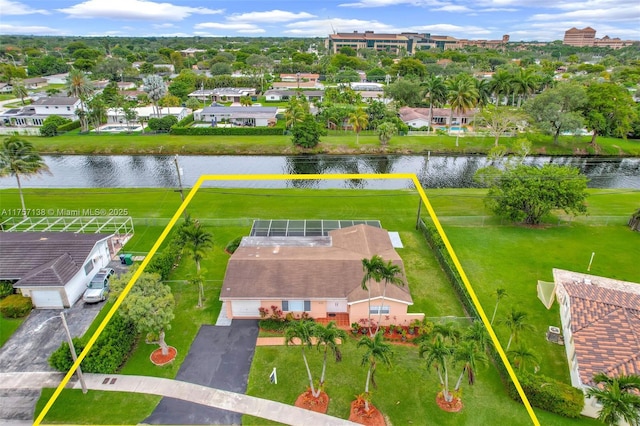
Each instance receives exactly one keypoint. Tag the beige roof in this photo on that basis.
(316, 272)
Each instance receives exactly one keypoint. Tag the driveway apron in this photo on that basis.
(219, 357)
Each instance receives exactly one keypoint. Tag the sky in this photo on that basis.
(522, 20)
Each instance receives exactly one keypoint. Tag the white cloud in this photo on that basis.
(165, 25)
(29, 29)
(453, 9)
(269, 16)
(323, 27)
(15, 8)
(617, 14)
(238, 27)
(385, 3)
(135, 9)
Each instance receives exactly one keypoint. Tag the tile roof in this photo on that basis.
(605, 323)
(38, 257)
(312, 272)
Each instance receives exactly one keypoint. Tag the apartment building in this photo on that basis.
(587, 37)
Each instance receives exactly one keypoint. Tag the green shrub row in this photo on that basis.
(69, 126)
(185, 121)
(6, 289)
(549, 394)
(233, 245)
(15, 306)
(108, 353)
(227, 131)
(164, 262)
(270, 324)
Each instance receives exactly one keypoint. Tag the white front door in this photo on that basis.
(336, 305)
(46, 299)
(245, 308)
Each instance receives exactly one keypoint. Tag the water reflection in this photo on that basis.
(433, 171)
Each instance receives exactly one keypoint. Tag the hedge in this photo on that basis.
(6, 289)
(185, 121)
(549, 394)
(109, 352)
(227, 131)
(15, 306)
(69, 126)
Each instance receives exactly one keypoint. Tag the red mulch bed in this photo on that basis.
(373, 418)
(308, 402)
(452, 407)
(158, 359)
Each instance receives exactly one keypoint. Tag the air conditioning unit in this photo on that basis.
(554, 330)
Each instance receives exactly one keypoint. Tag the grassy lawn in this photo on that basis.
(7, 327)
(494, 256)
(340, 142)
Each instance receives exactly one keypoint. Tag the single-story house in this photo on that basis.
(600, 320)
(310, 85)
(250, 116)
(57, 78)
(34, 115)
(317, 275)
(285, 95)
(191, 52)
(52, 268)
(35, 83)
(419, 117)
(300, 77)
(224, 94)
(6, 88)
(116, 115)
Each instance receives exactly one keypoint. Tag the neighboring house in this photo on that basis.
(6, 88)
(237, 116)
(34, 115)
(224, 94)
(57, 78)
(302, 77)
(35, 83)
(317, 275)
(601, 325)
(191, 52)
(52, 268)
(285, 95)
(311, 85)
(419, 117)
(116, 115)
(126, 85)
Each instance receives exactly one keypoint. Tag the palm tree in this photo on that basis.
(468, 353)
(198, 240)
(500, 85)
(521, 356)
(79, 86)
(515, 322)
(303, 330)
(18, 157)
(438, 353)
(376, 349)
(477, 333)
(385, 131)
(371, 269)
(295, 112)
(19, 91)
(327, 337)
(619, 396)
(500, 293)
(462, 96)
(389, 274)
(435, 92)
(359, 119)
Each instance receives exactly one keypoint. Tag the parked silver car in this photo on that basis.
(98, 288)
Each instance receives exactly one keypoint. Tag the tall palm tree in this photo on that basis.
(438, 353)
(521, 356)
(371, 269)
(19, 91)
(500, 85)
(376, 349)
(462, 96)
(359, 119)
(295, 112)
(619, 396)
(468, 353)
(515, 322)
(198, 241)
(79, 86)
(500, 293)
(303, 331)
(435, 93)
(18, 157)
(389, 274)
(327, 338)
(477, 333)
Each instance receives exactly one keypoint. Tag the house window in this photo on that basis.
(296, 305)
(88, 267)
(376, 309)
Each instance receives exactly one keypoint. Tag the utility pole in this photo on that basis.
(175, 160)
(73, 352)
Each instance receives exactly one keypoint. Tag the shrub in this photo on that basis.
(107, 354)
(50, 125)
(270, 324)
(15, 306)
(233, 245)
(6, 289)
(69, 126)
(162, 124)
(550, 395)
(185, 121)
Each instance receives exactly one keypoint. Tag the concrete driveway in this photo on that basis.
(219, 357)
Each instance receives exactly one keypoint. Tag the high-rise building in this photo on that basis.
(579, 38)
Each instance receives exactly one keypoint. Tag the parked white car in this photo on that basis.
(98, 288)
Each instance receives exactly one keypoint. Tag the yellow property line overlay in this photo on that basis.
(265, 177)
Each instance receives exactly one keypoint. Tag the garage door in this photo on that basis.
(46, 299)
(245, 308)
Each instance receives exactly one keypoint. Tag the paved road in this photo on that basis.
(219, 357)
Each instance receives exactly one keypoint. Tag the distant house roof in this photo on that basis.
(604, 321)
(284, 92)
(311, 271)
(39, 258)
(408, 113)
(34, 80)
(240, 112)
(295, 84)
(56, 100)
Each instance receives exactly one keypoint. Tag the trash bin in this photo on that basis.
(122, 259)
(128, 259)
